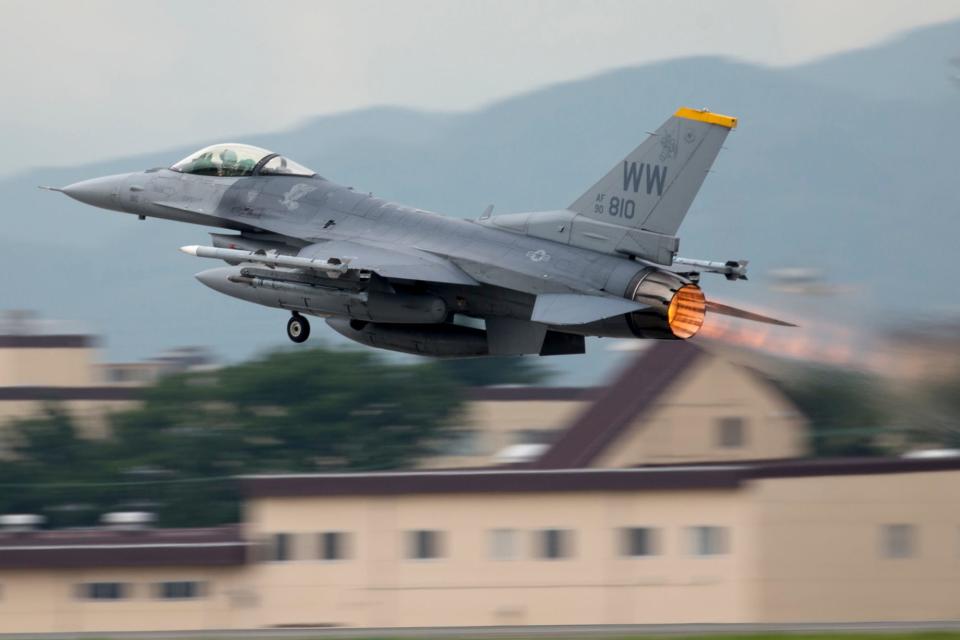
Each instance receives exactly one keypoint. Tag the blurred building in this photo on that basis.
(642, 501)
(673, 402)
(44, 362)
(774, 542)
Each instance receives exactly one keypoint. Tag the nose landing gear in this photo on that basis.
(298, 328)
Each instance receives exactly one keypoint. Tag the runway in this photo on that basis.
(572, 631)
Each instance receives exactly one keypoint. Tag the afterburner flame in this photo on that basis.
(686, 312)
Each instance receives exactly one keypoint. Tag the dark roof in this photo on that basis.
(513, 394)
(70, 393)
(476, 394)
(487, 481)
(40, 341)
(635, 390)
(217, 546)
(717, 476)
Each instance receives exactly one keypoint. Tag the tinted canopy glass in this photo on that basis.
(280, 166)
(238, 160)
(223, 160)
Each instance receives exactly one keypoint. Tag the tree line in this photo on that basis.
(294, 411)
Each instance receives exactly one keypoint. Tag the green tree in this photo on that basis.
(316, 410)
(51, 468)
(933, 413)
(847, 411)
(484, 372)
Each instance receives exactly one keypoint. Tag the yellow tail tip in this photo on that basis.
(707, 116)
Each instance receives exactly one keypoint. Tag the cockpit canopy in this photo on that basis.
(239, 160)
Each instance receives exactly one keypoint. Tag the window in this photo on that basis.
(424, 545)
(708, 541)
(731, 432)
(179, 590)
(103, 590)
(639, 541)
(503, 544)
(332, 545)
(898, 540)
(533, 436)
(280, 547)
(462, 442)
(554, 544)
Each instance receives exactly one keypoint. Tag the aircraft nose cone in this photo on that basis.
(98, 192)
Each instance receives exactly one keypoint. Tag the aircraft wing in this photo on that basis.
(337, 257)
(578, 308)
(402, 263)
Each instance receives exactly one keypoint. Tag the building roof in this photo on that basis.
(703, 476)
(488, 481)
(46, 341)
(118, 392)
(69, 393)
(215, 546)
(529, 394)
(615, 408)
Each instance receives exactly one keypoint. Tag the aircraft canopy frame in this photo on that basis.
(235, 160)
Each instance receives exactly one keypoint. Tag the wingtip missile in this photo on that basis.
(190, 249)
(731, 269)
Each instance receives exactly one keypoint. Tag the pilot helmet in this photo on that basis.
(228, 156)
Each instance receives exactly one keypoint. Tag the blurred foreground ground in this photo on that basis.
(877, 631)
(706, 482)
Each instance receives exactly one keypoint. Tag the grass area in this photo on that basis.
(803, 635)
(573, 635)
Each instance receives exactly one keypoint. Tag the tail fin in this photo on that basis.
(653, 187)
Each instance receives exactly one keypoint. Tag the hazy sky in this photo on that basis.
(84, 80)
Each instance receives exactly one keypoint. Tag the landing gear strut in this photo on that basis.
(298, 328)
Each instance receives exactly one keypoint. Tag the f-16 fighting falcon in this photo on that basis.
(394, 277)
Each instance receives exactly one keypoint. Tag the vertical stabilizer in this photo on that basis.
(653, 187)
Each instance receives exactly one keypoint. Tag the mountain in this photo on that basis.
(847, 164)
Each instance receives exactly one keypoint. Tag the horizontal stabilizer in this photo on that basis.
(577, 308)
(725, 310)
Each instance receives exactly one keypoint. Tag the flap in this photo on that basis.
(576, 308)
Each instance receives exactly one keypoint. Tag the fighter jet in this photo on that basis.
(400, 278)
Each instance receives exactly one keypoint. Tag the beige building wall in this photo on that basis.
(492, 426)
(48, 367)
(46, 601)
(798, 550)
(825, 551)
(685, 423)
(379, 586)
(55, 366)
(803, 549)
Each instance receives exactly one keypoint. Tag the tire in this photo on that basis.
(298, 328)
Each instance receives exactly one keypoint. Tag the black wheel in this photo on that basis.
(298, 328)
